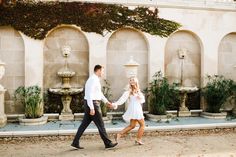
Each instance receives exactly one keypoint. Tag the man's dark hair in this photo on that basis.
(97, 67)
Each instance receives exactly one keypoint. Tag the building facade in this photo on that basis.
(207, 39)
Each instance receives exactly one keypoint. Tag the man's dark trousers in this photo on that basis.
(97, 119)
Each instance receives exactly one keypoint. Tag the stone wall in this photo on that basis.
(12, 53)
(207, 32)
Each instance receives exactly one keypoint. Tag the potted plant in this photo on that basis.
(106, 89)
(160, 95)
(215, 93)
(31, 98)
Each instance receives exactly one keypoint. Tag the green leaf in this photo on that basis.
(36, 19)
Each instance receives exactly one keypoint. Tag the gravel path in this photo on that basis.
(201, 143)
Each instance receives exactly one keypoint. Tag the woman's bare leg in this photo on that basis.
(126, 129)
(140, 130)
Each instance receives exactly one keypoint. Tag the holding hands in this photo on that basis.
(110, 105)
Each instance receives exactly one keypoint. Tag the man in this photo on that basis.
(93, 97)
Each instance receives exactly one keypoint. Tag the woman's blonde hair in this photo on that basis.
(134, 89)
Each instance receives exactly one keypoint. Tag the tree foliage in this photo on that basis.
(35, 19)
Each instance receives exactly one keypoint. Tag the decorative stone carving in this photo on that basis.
(131, 68)
(182, 53)
(66, 49)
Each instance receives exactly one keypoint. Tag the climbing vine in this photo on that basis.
(35, 19)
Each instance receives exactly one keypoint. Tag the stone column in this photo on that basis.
(209, 59)
(3, 117)
(33, 63)
(183, 109)
(97, 51)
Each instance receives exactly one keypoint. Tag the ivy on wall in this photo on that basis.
(35, 19)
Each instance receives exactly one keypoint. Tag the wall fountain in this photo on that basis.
(184, 90)
(66, 91)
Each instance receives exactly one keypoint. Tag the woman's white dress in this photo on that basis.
(134, 110)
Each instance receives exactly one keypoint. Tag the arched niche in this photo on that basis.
(122, 44)
(78, 60)
(12, 53)
(187, 44)
(227, 56)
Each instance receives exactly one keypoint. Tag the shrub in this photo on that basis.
(31, 98)
(106, 89)
(216, 91)
(161, 94)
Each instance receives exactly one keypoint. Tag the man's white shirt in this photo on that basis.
(93, 91)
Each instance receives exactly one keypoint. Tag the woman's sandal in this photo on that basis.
(139, 142)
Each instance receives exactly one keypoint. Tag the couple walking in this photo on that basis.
(93, 97)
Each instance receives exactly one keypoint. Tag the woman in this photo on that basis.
(134, 112)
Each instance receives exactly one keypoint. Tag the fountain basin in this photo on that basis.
(187, 89)
(66, 97)
(66, 91)
(183, 109)
(66, 73)
(65, 76)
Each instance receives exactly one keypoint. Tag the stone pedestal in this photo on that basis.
(3, 120)
(183, 110)
(184, 113)
(66, 116)
(66, 113)
(3, 117)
